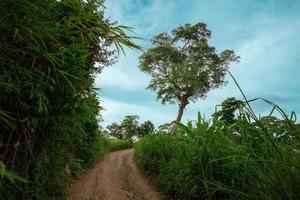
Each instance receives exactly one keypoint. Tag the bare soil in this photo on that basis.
(115, 177)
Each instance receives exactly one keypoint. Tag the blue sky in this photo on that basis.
(264, 33)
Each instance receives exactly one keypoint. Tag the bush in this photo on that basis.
(210, 161)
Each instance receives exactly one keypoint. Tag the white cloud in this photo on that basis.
(116, 77)
(147, 19)
(265, 58)
(124, 74)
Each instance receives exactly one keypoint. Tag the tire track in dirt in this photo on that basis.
(115, 177)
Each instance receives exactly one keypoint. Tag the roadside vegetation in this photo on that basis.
(49, 112)
(98, 148)
(235, 155)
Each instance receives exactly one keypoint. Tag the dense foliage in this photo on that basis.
(129, 129)
(243, 159)
(184, 66)
(48, 104)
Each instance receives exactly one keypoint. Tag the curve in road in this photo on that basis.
(115, 177)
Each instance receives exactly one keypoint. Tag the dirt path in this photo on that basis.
(115, 177)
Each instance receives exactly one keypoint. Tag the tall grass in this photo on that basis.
(251, 158)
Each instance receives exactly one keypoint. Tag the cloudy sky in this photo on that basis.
(264, 33)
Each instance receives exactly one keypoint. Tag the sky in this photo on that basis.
(264, 33)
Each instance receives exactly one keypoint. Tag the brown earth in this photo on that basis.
(115, 177)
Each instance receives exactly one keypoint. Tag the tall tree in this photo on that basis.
(183, 66)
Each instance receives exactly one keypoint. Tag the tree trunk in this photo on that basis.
(180, 111)
(179, 115)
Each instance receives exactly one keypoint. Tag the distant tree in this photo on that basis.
(114, 130)
(146, 128)
(183, 66)
(281, 128)
(129, 126)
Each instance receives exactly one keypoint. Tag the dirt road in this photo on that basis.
(115, 177)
